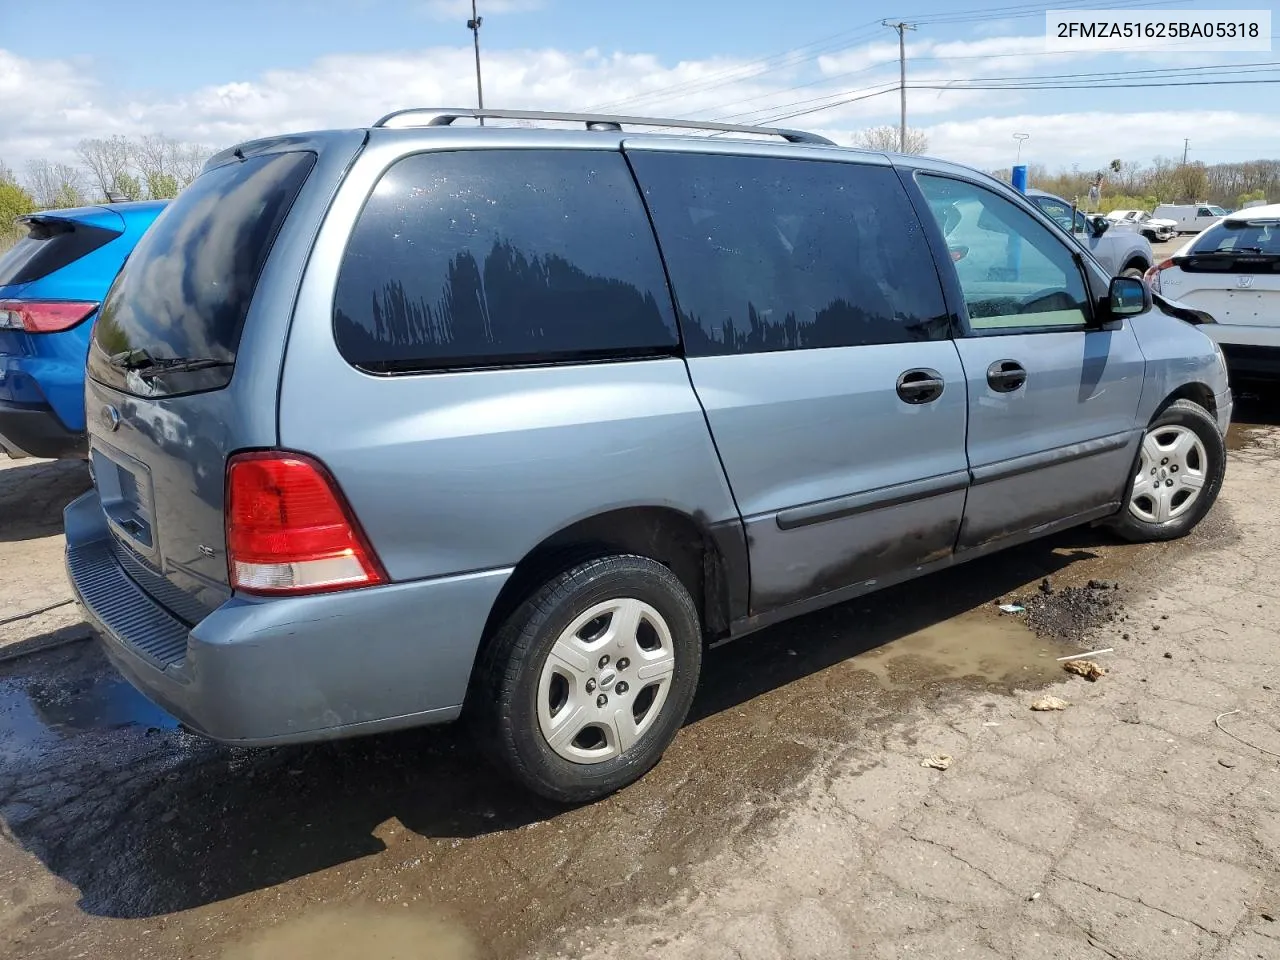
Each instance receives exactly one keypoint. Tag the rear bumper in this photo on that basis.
(37, 432)
(290, 670)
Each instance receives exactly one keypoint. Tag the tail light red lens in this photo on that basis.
(289, 529)
(1152, 276)
(43, 316)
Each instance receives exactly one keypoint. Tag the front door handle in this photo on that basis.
(921, 385)
(1006, 376)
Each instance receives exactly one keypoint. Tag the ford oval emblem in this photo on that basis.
(110, 417)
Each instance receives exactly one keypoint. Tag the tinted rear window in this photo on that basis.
(185, 290)
(1240, 237)
(51, 245)
(502, 257)
(771, 254)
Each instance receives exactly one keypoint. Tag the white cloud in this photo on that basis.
(1092, 139)
(47, 106)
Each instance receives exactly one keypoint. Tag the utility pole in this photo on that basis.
(474, 26)
(1186, 144)
(902, 29)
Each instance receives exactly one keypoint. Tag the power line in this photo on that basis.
(796, 56)
(1060, 81)
(745, 71)
(884, 63)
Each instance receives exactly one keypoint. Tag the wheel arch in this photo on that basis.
(1136, 261)
(709, 559)
(1198, 393)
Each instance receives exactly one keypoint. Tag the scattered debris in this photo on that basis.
(1011, 608)
(939, 761)
(1034, 896)
(1155, 626)
(1269, 917)
(1224, 762)
(1217, 722)
(1084, 668)
(1046, 587)
(1050, 703)
(1087, 654)
(1068, 613)
(1168, 655)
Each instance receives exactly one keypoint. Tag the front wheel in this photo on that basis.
(1180, 469)
(1136, 272)
(586, 684)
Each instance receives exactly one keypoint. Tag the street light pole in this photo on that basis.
(1020, 137)
(474, 26)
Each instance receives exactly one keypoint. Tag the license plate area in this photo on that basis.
(124, 487)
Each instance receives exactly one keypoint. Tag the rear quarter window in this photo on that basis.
(466, 259)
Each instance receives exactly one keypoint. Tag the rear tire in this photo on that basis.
(1135, 272)
(1181, 463)
(588, 681)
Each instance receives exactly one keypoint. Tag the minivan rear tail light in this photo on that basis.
(1152, 276)
(290, 530)
(43, 316)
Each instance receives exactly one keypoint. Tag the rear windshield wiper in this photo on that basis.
(141, 362)
(1228, 253)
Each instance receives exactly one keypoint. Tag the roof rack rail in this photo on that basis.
(444, 116)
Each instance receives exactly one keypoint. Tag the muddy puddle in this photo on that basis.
(980, 645)
(359, 933)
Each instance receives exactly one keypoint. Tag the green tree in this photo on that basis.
(66, 196)
(1249, 197)
(14, 203)
(162, 186)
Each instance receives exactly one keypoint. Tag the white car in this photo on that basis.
(1231, 272)
(1155, 230)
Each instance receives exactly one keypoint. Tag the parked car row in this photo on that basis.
(400, 425)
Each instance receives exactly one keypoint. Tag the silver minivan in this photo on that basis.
(397, 425)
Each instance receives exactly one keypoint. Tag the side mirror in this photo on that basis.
(1128, 297)
(1098, 226)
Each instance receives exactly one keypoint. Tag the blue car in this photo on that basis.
(51, 284)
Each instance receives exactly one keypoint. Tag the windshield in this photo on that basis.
(1240, 236)
(1217, 211)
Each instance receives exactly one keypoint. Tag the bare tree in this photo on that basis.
(886, 139)
(108, 162)
(188, 160)
(54, 184)
(6, 173)
(155, 157)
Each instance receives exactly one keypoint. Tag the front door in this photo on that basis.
(818, 343)
(1053, 401)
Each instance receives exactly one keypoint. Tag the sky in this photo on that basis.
(226, 72)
